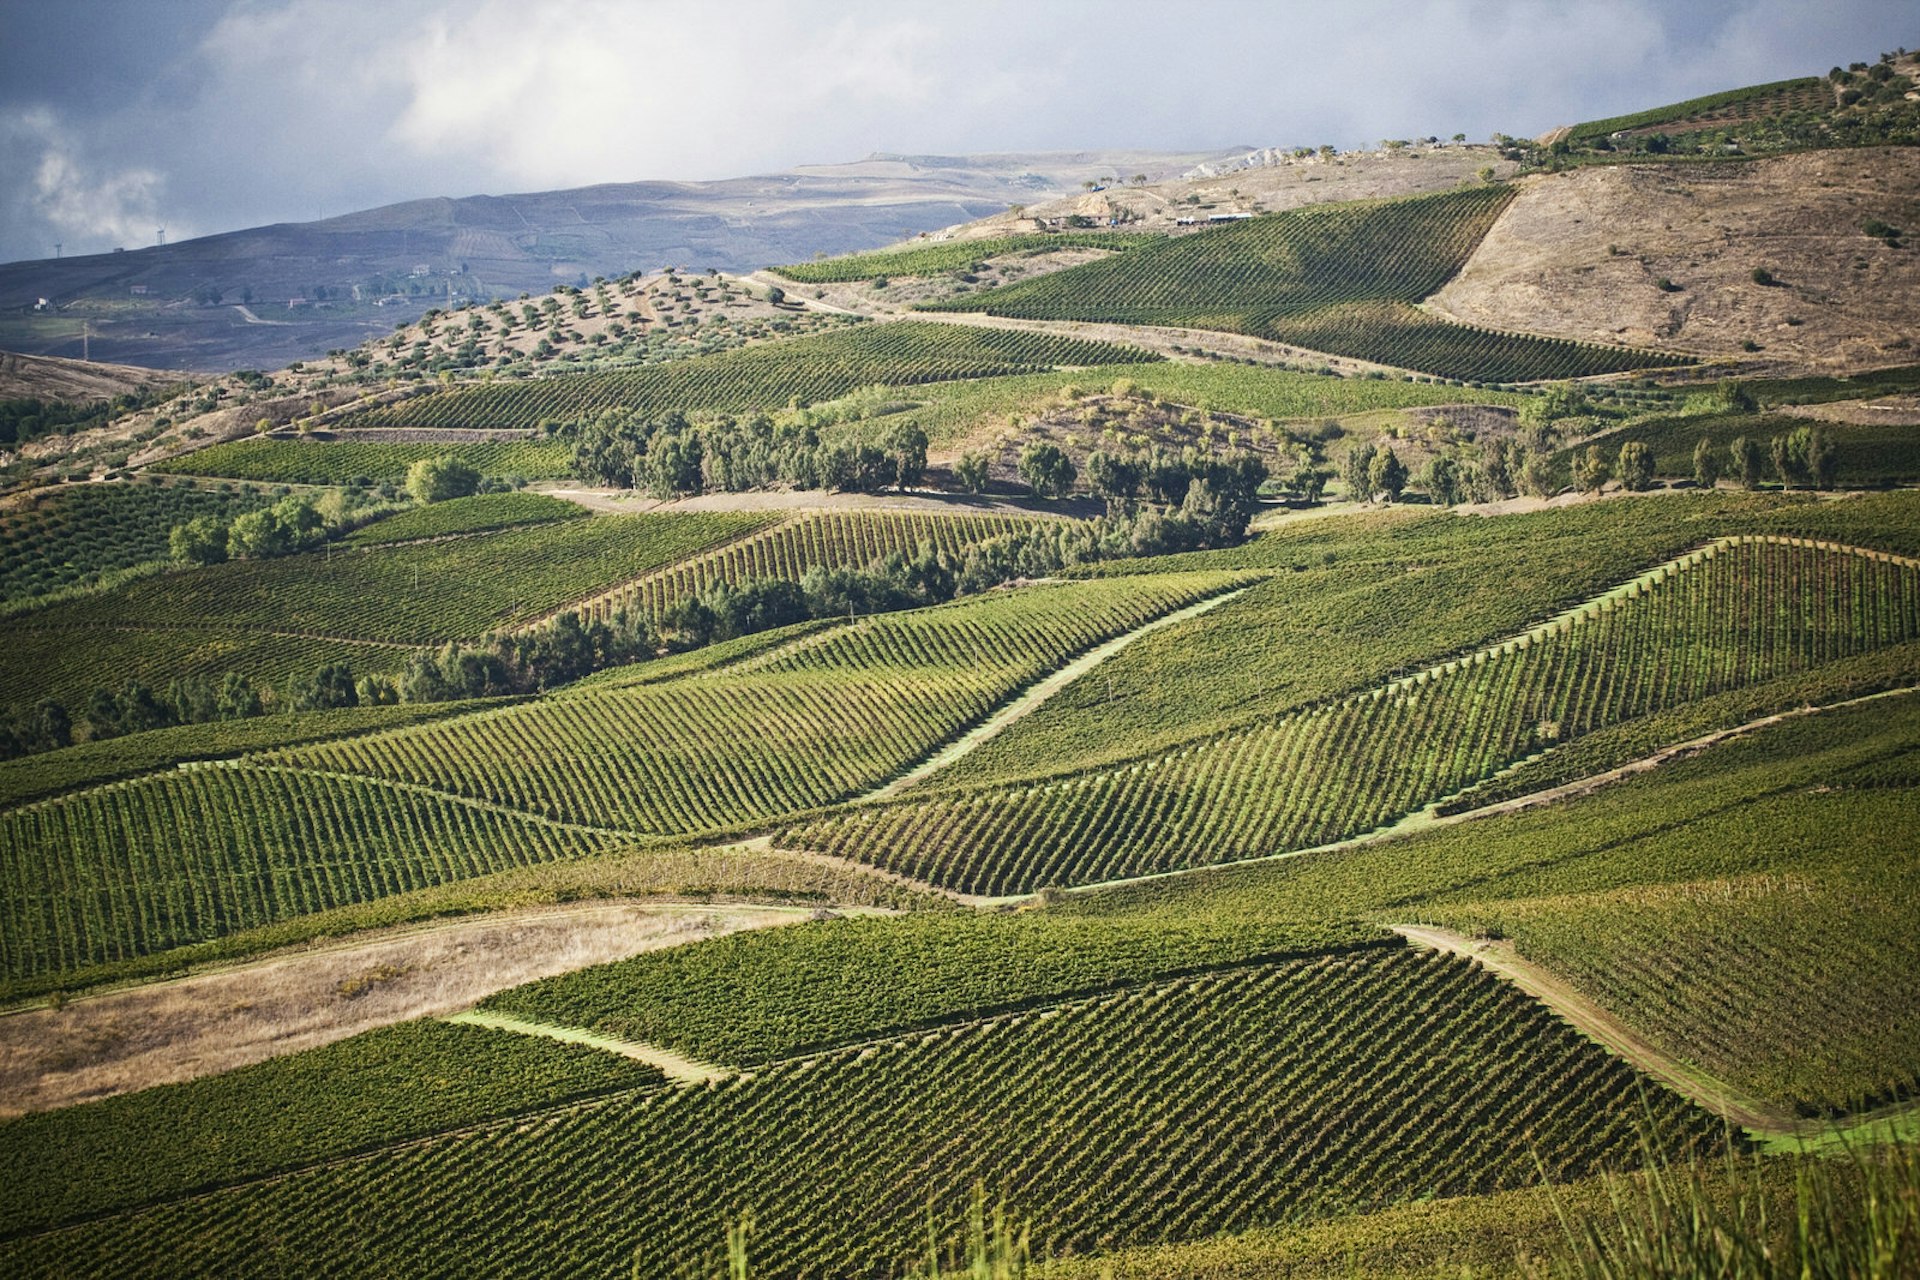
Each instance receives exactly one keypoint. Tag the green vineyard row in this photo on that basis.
(1739, 612)
(1339, 278)
(767, 376)
(831, 540)
(956, 255)
(1278, 1093)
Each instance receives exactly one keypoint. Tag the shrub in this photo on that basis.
(437, 479)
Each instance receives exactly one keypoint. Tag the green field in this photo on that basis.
(950, 256)
(767, 376)
(1869, 456)
(1339, 278)
(1747, 613)
(359, 605)
(481, 513)
(818, 721)
(348, 461)
(75, 535)
(1169, 1111)
(833, 540)
(1705, 112)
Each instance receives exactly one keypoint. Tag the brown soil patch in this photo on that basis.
(71, 381)
(1580, 254)
(1888, 411)
(131, 1039)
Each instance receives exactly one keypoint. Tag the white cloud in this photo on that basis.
(87, 205)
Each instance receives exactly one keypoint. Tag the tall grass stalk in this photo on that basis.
(1851, 1217)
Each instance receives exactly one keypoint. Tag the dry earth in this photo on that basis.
(71, 381)
(158, 1033)
(1887, 411)
(1579, 255)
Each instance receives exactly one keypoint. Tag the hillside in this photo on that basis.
(1371, 734)
(267, 296)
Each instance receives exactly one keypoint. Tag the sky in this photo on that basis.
(120, 117)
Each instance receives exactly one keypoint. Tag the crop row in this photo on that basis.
(833, 540)
(346, 461)
(416, 594)
(951, 255)
(481, 513)
(1804, 92)
(832, 715)
(1326, 277)
(75, 534)
(1742, 613)
(379, 1087)
(766, 376)
(1785, 983)
(1171, 1112)
(136, 868)
(1394, 333)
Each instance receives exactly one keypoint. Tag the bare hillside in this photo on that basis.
(70, 381)
(1583, 255)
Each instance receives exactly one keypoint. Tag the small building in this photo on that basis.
(1228, 217)
(420, 271)
(138, 290)
(295, 303)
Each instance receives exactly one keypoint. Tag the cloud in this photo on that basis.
(71, 198)
(230, 113)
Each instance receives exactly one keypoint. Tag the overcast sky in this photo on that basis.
(121, 116)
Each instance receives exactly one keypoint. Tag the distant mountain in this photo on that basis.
(269, 295)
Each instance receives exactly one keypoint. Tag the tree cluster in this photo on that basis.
(296, 523)
(671, 455)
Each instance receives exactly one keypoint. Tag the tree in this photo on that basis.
(1762, 276)
(1560, 400)
(201, 540)
(1590, 471)
(1706, 464)
(1789, 463)
(1310, 482)
(1444, 482)
(906, 446)
(1386, 474)
(256, 536)
(1355, 461)
(1048, 471)
(1114, 476)
(330, 686)
(1746, 461)
(440, 478)
(1820, 454)
(971, 473)
(1635, 466)
(673, 463)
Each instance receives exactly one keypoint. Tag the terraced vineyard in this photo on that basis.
(347, 461)
(1339, 278)
(766, 376)
(953, 255)
(832, 540)
(75, 535)
(1166, 1112)
(1737, 613)
(137, 868)
(822, 720)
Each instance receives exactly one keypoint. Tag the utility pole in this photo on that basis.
(57, 247)
(86, 341)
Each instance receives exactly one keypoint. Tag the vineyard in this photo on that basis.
(767, 376)
(482, 513)
(1715, 109)
(1780, 981)
(371, 1090)
(816, 722)
(1339, 278)
(832, 540)
(949, 256)
(86, 764)
(1173, 1111)
(1736, 613)
(73, 536)
(337, 462)
(414, 594)
(136, 868)
(1870, 455)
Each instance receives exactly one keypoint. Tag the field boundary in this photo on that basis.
(676, 1067)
